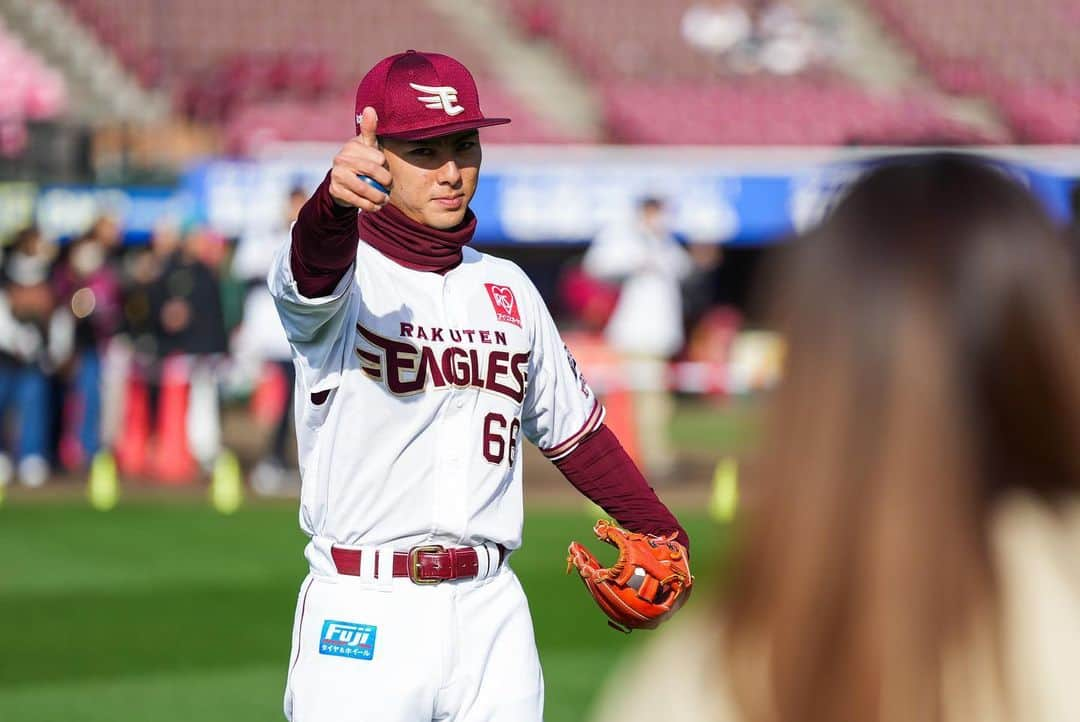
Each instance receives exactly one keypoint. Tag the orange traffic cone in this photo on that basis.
(173, 462)
(134, 432)
(271, 393)
(603, 370)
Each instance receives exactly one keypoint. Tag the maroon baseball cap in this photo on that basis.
(421, 95)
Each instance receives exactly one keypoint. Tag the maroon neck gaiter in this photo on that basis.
(413, 244)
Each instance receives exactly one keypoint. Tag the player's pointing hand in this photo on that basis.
(361, 157)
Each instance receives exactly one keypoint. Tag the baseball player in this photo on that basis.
(421, 365)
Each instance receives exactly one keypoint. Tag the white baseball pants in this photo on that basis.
(460, 651)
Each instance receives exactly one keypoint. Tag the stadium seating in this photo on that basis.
(282, 68)
(29, 90)
(774, 111)
(656, 88)
(1042, 114)
(1024, 56)
(186, 38)
(630, 39)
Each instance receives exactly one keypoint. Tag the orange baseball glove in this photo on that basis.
(646, 584)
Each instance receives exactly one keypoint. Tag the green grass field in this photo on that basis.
(168, 611)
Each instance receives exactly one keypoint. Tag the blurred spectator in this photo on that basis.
(114, 349)
(192, 322)
(710, 329)
(142, 273)
(590, 300)
(911, 550)
(89, 288)
(133, 361)
(699, 286)
(762, 36)
(31, 341)
(262, 340)
(646, 327)
(716, 28)
(187, 298)
(106, 231)
(788, 44)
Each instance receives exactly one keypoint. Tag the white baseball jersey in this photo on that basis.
(430, 381)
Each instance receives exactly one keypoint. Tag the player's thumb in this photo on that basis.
(369, 121)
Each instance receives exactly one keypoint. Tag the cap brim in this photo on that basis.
(446, 129)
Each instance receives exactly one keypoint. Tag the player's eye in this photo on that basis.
(466, 145)
(421, 152)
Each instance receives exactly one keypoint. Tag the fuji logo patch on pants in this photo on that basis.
(347, 639)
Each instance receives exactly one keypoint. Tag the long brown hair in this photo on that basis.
(933, 365)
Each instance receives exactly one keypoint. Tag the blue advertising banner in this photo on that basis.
(530, 196)
(63, 211)
(567, 197)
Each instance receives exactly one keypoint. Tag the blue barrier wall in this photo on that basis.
(561, 198)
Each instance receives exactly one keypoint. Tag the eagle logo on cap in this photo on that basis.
(444, 98)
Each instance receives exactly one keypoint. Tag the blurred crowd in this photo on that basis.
(117, 349)
(126, 350)
(772, 37)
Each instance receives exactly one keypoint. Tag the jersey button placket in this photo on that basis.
(440, 494)
(457, 424)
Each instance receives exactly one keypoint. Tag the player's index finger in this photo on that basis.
(369, 121)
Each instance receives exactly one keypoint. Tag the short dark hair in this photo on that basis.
(25, 235)
(651, 203)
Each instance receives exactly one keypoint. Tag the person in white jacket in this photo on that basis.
(646, 327)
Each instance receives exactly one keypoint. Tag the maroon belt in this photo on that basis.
(430, 564)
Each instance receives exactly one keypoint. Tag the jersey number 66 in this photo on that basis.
(499, 444)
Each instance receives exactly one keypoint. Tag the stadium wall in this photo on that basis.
(534, 195)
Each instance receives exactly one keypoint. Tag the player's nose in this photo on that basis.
(450, 174)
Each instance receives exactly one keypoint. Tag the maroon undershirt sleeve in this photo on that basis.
(601, 469)
(324, 240)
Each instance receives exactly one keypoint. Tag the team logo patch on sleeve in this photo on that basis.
(504, 303)
(347, 639)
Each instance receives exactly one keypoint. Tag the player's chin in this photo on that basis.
(446, 218)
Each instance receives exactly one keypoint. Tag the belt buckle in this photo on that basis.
(414, 562)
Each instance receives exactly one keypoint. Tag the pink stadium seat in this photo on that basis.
(30, 90)
(1025, 56)
(1042, 115)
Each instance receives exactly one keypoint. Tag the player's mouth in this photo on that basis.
(451, 203)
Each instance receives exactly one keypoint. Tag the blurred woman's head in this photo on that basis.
(165, 239)
(29, 241)
(933, 367)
